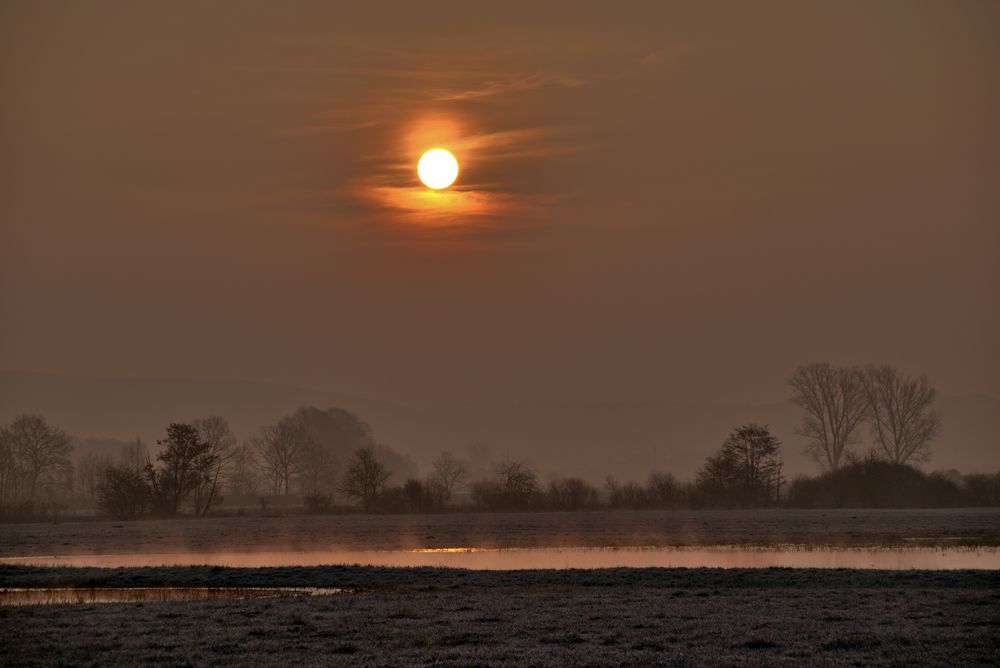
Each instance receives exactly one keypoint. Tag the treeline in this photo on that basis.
(329, 460)
(876, 483)
(43, 471)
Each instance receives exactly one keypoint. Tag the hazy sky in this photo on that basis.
(658, 201)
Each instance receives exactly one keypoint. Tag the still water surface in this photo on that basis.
(940, 558)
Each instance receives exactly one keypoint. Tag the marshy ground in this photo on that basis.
(852, 528)
(457, 617)
(419, 616)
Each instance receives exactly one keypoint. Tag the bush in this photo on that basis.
(662, 490)
(515, 488)
(123, 493)
(874, 483)
(571, 494)
(981, 490)
(318, 503)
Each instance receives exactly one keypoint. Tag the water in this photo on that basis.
(56, 595)
(939, 558)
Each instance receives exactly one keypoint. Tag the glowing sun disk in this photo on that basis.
(437, 168)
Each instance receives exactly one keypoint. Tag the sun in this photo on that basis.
(437, 168)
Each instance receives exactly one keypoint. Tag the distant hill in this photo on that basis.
(586, 439)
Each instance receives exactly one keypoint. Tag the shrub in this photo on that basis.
(123, 493)
(874, 483)
(318, 503)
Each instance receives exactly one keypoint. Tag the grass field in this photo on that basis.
(423, 616)
(455, 617)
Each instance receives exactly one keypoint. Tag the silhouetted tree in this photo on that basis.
(122, 493)
(424, 497)
(215, 433)
(365, 478)
(34, 456)
(280, 451)
(242, 478)
(625, 495)
(517, 478)
(90, 470)
(744, 472)
(333, 435)
(183, 465)
(571, 494)
(449, 472)
(663, 490)
(900, 414)
(515, 487)
(835, 404)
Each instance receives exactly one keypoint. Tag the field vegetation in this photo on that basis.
(456, 617)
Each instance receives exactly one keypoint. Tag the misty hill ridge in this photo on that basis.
(571, 438)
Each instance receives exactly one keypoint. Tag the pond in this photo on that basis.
(726, 556)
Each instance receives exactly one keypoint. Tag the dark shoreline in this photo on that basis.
(375, 578)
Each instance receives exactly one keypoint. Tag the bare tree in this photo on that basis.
(335, 434)
(572, 494)
(835, 405)
(33, 455)
(134, 454)
(365, 477)
(517, 478)
(900, 413)
(242, 478)
(90, 472)
(745, 471)
(319, 467)
(449, 472)
(280, 450)
(663, 490)
(214, 432)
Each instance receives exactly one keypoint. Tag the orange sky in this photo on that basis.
(666, 201)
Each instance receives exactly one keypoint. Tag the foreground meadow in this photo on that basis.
(418, 616)
(457, 617)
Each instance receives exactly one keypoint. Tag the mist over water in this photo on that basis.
(558, 558)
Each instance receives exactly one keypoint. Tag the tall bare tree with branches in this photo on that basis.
(365, 477)
(280, 449)
(215, 433)
(900, 413)
(243, 477)
(449, 472)
(835, 405)
(34, 456)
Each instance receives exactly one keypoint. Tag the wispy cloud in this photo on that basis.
(390, 107)
(522, 84)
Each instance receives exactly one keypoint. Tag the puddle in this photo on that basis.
(57, 595)
(940, 558)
